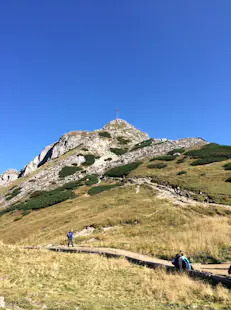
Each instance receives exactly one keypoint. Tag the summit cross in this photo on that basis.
(117, 113)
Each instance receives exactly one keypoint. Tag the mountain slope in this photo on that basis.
(118, 143)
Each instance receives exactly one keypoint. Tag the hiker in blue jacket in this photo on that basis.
(70, 238)
(184, 263)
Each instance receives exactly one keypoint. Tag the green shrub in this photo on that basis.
(118, 151)
(13, 194)
(87, 180)
(68, 170)
(17, 218)
(181, 172)
(122, 170)
(98, 189)
(70, 185)
(45, 200)
(228, 180)
(89, 160)
(210, 153)
(181, 160)
(108, 159)
(104, 134)
(227, 166)
(85, 149)
(164, 157)
(142, 144)
(207, 160)
(121, 140)
(157, 166)
(37, 193)
(26, 212)
(91, 179)
(181, 150)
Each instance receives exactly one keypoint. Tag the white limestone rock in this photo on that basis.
(8, 177)
(34, 164)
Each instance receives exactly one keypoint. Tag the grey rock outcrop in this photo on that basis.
(89, 140)
(8, 177)
(120, 127)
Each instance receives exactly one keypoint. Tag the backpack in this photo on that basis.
(229, 270)
(184, 264)
(175, 261)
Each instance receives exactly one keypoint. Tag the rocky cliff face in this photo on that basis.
(90, 140)
(8, 177)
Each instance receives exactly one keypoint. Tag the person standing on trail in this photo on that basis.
(70, 238)
(184, 263)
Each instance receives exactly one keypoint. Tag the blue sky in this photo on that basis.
(67, 65)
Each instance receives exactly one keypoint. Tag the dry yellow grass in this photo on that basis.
(142, 222)
(64, 281)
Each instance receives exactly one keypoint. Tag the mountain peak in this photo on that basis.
(120, 127)
(118, 121)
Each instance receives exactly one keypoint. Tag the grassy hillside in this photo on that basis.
(141, 222)
(209, 178)
(137, 219)
(38, 279)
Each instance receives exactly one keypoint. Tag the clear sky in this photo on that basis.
(67, 65)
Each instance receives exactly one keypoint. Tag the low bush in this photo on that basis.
(98, 189)
(13, 194)
(108, 159)
(118, 151)
(104, 134)
(181, 160)
(122, 170)
(91, 179)
(157, 166)
(164, 157)
(26, 212)
(142, 144)
(71, 185)
(46, 199)
(84, 149)
(89, 160)
(17, 218)
(36, 194)
(172, 152)
(87, 180)
(68, 170)
(227, 166)
(121, 140)
(181, 172)
(210, 153)
(228, 180)
(207, 160)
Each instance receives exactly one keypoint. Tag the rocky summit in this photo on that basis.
(117, 143)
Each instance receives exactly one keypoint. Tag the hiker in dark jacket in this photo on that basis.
(175, 260)
(70, 238)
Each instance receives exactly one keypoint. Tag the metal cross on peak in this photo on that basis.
(117, 113)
